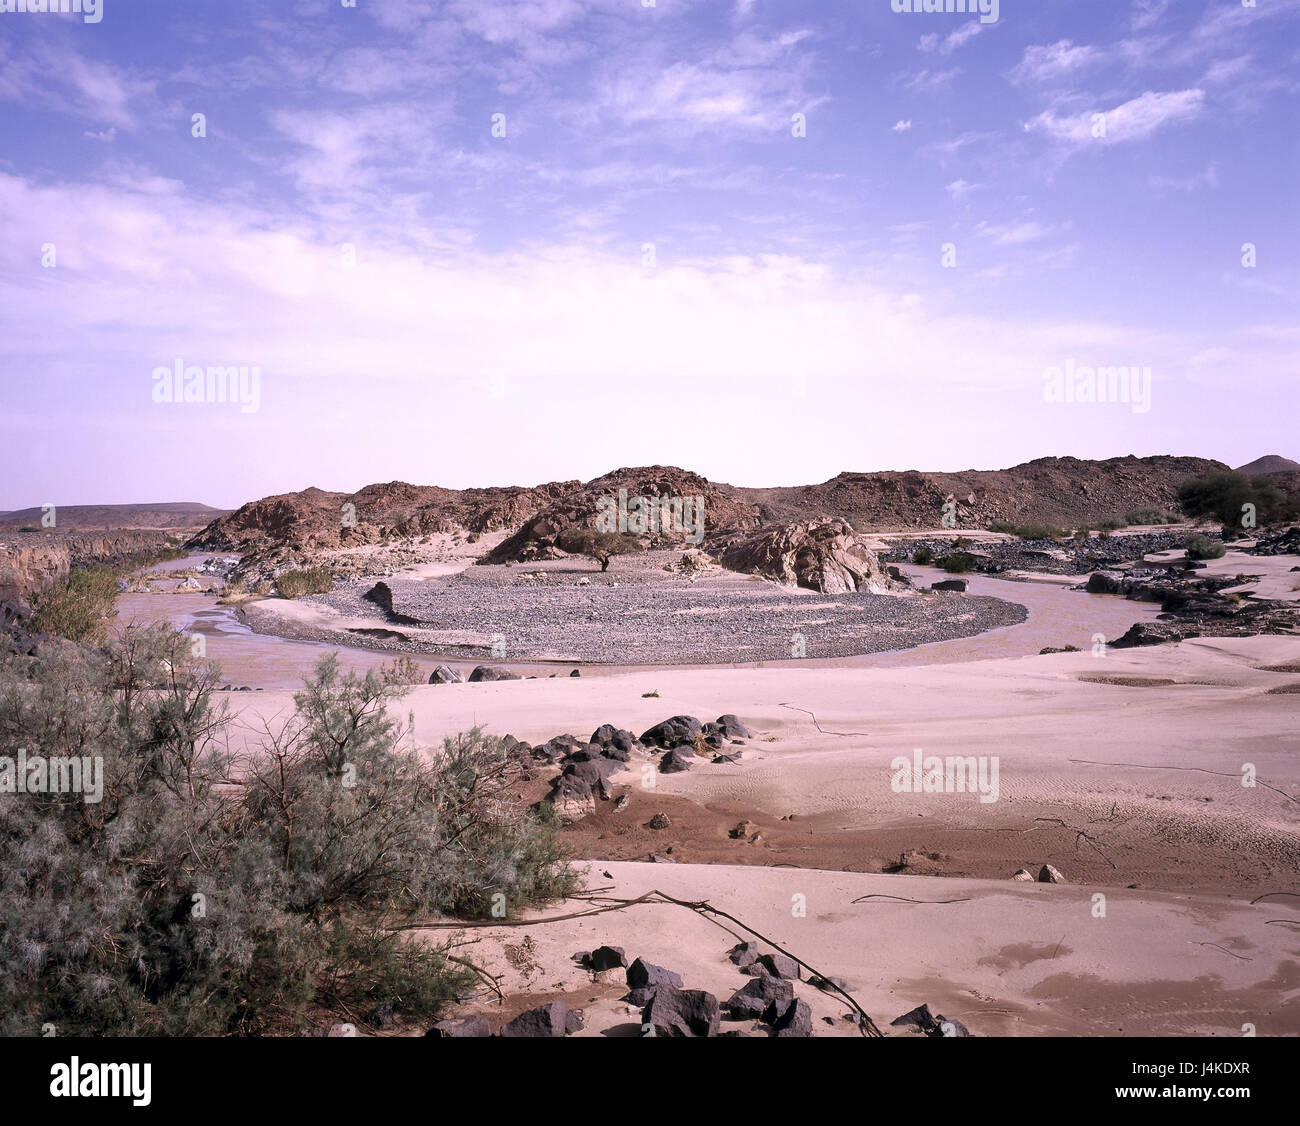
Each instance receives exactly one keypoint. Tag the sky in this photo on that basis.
(494, 242)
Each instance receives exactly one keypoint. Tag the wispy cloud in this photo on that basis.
(1053, 61)
(947, 44)
(1134, 120)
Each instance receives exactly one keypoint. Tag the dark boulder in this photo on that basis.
(957, 586)
(778, 965)
(643, 975)
(445, 675)
(752, 1000)
(682, 1012)
(744, 954)
(674, 732)
(674, 762)
(606, 958)
(790, 1018)
(545, 1020)
(490, 673)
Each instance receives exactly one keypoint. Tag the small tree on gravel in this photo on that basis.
(600, 547)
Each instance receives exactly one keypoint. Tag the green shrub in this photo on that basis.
(306, 580)
(205, 897)
(957, 562)
(80, 608)
(1150, 516)
(1028, 531)
(1223, 496)
(1202, 547)
(923, 556)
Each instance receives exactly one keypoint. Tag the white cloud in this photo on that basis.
(947, 44)
(902, 126)
(1134, 120)
(932, 79)
(1147, 12)
(1053, 61)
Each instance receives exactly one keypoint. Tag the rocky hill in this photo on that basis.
(1055, 490)
(180, 516)
(1062, 491)
(723, 512)
(315, 519)
(1270, 463)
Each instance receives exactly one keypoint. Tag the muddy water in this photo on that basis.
(1057, 617)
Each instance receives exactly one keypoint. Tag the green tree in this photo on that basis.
(600, 547)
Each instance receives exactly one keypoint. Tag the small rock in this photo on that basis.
(752, 1000)
(830, 984)
(778, 965)
(606, 958)
(1023, 875)
(1049, 875)
(460, 1029)
(744, 954)
(660, 821)
(674, 762)
(643, 975)
(546, 1020)
(790, 1018)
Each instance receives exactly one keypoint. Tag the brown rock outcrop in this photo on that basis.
(824, 555)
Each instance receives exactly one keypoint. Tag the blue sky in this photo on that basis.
(427, 301)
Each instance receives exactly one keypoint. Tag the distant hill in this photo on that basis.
(1270, 463)
(165, 516)
(1063, 491)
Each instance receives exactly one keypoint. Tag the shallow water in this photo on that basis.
(1057, 616)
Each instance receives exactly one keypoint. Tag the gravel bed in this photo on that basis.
(642, 617)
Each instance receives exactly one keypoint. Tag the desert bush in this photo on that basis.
(923, 556)
(1203, 547)
(80, 608)
(1028, 531)
(205, 895)
(1150, 516)
(305, 580)
(957, 562)
(1223, 495)
(402, 671)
